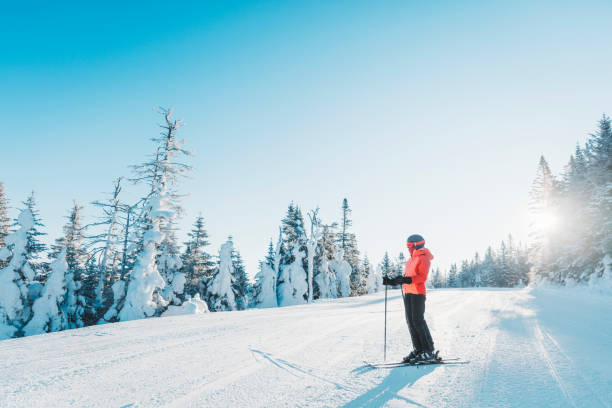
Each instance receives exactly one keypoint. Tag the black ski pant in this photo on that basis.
(414, 306)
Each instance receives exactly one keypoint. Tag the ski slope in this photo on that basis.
(526, 348)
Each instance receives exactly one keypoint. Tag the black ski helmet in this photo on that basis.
(416, 240)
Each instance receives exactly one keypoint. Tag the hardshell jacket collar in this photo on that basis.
(423, 251)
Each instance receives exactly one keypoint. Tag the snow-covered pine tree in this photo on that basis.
(197, 263)
(348, 244)
(73, 241)
(522, 266)
(543, 207)
(264, 289)
(162, 172)
(463, 276)
(52, 310)
(436, 279)
(312, 244)
(170, 265)
(374, 283)
(366, 269)
(325, 280)
(476, 271)
(220, 291)
(575, 242)
(105, 246)
(35, 248)
(504, 271)
(488, 268)
(143, 296)
(452, 276)
(134, 221)
(292, 285)
(15, 306)
(72, 244)
(241, 286)
(399, 265)
(599, 169)
(386, 266)
(5, 221)
(342, 270)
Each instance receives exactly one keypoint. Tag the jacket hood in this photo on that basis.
(423, 251)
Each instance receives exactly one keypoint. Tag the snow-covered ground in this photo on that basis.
(526, 349)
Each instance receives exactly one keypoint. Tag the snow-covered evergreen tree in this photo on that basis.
(241, 286)
(119, 291)
(347, 242)
(264, 289)
(15, 306)
(342, 270)
(34, 247)
(73, 246)
(5, 221)
(325, 280)
(599, 155)
(504, 267)
(451, 280)
(197, 263)
(312, 244)
(169, 264)
(292, 285)
(366, 270)
(386, 266)
(464, 276)
(375, 280)
(220, 290)
(543, 206)
(105, 246)
(73, 241)
(437, 281)
(52, 309)
(292, 288)
(143, 294)
(400, 265)
(488, 268)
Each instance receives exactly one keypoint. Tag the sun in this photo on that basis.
(546, 221)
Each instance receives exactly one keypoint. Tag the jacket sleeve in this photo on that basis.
(422, 270)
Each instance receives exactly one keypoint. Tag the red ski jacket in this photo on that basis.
(417, 268)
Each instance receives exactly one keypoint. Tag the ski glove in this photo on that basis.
(389, 281)
(398, 280)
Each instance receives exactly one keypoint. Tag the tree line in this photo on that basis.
(571, 229)
(128, 263)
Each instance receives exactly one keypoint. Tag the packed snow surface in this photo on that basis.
(526, 348)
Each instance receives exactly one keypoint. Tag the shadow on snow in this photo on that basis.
(398, 379)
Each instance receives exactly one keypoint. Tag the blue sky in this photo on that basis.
(429, 117)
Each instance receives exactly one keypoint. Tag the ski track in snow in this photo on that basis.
(525, 348)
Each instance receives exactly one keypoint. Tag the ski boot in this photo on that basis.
(427, 357)
(410, 357)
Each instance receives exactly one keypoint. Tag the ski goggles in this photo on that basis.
(414, 244)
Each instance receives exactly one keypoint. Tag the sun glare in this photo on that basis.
(546, 221)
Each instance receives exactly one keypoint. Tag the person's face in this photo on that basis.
(410, 246)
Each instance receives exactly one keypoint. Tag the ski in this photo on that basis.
(401, 362)
(448, 361)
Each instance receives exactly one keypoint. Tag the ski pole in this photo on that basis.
(385, 349)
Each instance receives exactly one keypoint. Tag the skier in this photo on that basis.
(413, 287)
